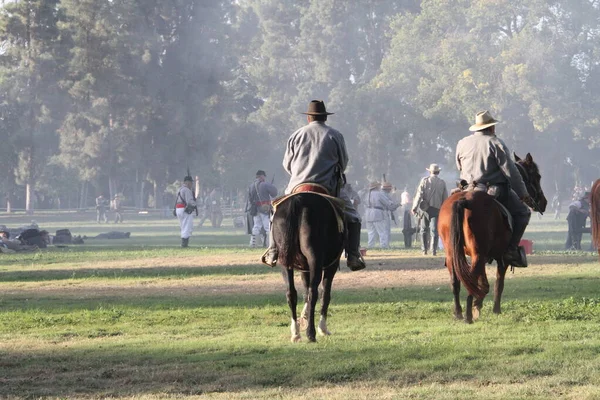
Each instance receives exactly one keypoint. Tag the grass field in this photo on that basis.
(143, 319)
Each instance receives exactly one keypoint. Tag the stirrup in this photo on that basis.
(518, 260)
(271, 261)
(358, 265)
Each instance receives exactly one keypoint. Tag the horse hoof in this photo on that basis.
(312, 339)
(296, 339)
(468, 321)
(458, 317)
(324, 333)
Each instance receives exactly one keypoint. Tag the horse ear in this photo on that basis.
(528, 158)
(517, 158)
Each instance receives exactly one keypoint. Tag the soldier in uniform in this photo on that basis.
(378, 205)
(430, 195)
(484, 159)
(184, 207)
(260, 194)
(116, 207)
(214, 207)
(101, 209)
(316, 153)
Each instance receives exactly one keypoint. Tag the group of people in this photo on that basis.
(103, 205)
(316, 154)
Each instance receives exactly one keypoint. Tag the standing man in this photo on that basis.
(185, 205)
(258, 206)
(101, 209)
(430, 195)
(484, 159)
(378, 205)
(214, 204)
(316, 153)
(116, 206)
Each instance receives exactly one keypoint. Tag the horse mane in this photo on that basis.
(595, 213)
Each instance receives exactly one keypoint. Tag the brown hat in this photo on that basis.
(386, 186)
(374, 185)
(483, 120)
(317, 107)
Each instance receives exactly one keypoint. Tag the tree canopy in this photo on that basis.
(122, 96)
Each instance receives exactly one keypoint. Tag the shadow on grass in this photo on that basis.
(186, 296)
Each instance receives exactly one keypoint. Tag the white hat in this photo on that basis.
(434, 168)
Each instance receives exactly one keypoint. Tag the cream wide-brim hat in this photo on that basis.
(433, 168)
(483, 120)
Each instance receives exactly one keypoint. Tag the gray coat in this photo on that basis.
(484, 158)
(432, 191)
(378, 205)
(312, 154)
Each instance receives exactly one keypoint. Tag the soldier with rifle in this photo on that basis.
(185, 206)
(390, 216)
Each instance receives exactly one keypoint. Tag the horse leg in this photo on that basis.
(455, 287)
(482, 282)
(327, 283)
(499, 286)
(469, 312)
(292, 299)
(316, 274)
(303, 317)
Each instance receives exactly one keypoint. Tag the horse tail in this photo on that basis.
(459, 259)
(289, 244)
(595, 213)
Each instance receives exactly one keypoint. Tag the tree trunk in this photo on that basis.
(29, 198)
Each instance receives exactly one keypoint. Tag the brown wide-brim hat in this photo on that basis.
(317, 107)
(483, 120)
(374, 185)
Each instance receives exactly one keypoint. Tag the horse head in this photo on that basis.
(531, 176)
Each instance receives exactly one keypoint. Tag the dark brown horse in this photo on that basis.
(471, 224)
(307, 235)
(595, 214)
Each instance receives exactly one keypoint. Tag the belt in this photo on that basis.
(262, 203)
(179, 205)
(377, 208)
(310, 187)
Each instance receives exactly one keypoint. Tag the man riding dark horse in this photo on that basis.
(485, 163)
(316, 154)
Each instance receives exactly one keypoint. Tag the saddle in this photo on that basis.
(491, 190)
(338, 205)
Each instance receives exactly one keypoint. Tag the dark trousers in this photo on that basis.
(429, 231)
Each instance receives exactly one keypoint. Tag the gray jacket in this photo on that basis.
(185, 196)
(432, 191)
(484, 158)
(312, 154)
(378, 205)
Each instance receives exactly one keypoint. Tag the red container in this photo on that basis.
(527, 246)
(363, 252)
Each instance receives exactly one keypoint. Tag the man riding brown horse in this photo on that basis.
(484, 161)
(316, 154)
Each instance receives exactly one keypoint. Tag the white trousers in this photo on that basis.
(186, 222)
(261, 221)
(379, 228)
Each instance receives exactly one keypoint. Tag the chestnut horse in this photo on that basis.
(308, 238)
(471, 223)
(595, 214)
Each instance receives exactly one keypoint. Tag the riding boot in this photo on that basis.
(271, 254)
(355, 261)
(515, 255)
(184, 242)
(253, 241)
